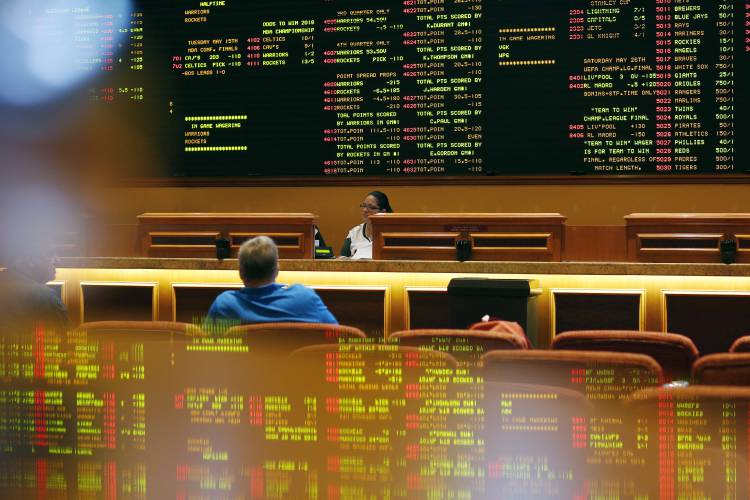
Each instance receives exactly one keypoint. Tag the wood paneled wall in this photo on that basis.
(595, 210)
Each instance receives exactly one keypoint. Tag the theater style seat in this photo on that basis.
(402, 354)
(134, 348)
(707, 394)
(286, 337)
(722, 369)
(386, 372)
(703, 427)
(601, 376)
(675, 353)
(464, 345)
(529, 427)
(137, 326)
(379, 403)
(742, 344)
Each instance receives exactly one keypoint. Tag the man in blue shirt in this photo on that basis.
(27, 303)
(262, 300)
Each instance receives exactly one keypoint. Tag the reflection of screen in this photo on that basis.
(161, 415)
(75, 408)
(290, 87)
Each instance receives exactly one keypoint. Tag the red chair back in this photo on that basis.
(464, 345)
(675, 353)
(723, 369)
(742, 344)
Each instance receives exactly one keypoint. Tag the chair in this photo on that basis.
(283, 338)
(601, 376)
(742, 344)
(503, 326)
(379, 403)
(375, 371)
(528, 427)
(703, 428)
(551, 430)
(675, 353)
(387, 351)
(133, 331)
(137, 326)
(722, 369)
(129, 351)
(464, 345)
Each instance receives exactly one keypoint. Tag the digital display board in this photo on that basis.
(229, 88)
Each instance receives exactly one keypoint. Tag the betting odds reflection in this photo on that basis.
(127, 414)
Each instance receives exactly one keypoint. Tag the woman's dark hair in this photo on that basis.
(383, 203)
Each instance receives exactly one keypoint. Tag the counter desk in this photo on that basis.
(708, 302)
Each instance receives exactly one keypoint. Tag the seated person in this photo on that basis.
(32, 220)
(27, 303)
(262, 300)
(358, 243)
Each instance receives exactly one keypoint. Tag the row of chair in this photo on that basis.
(676, 355)
(551, 406)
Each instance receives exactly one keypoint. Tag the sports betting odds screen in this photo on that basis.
(430, 87)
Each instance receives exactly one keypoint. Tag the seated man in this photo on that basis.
(263, 300)
(30, 222)
(26, 302)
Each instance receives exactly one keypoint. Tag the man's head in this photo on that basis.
(32, 257)
(38, 266)
(258, 261)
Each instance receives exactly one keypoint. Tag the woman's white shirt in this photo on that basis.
(361, 246)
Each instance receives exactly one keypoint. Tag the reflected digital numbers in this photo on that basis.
(120, 414)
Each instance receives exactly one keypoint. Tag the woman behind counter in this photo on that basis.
(358, 243)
